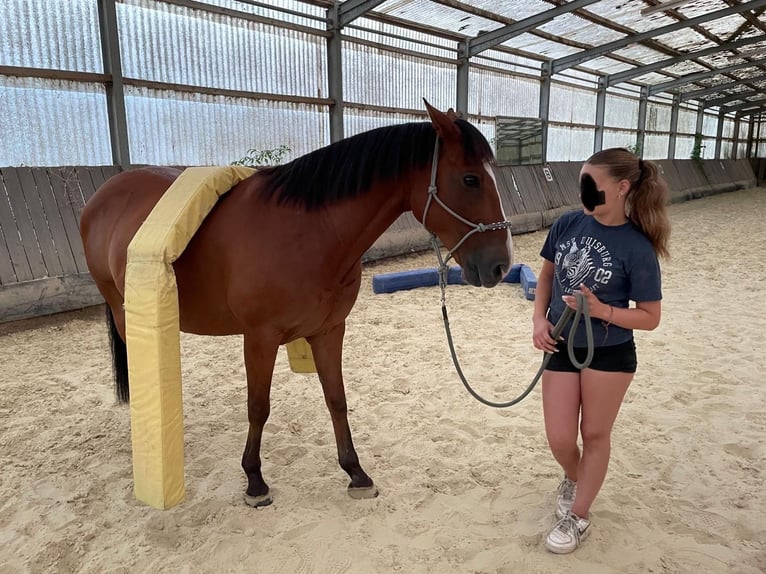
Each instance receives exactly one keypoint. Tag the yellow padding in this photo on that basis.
(300, 357)
(152, 330)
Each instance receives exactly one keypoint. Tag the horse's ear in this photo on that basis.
(443, 124)
(453, 115)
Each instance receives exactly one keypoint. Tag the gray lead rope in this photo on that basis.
(581, 311)
(582, 303)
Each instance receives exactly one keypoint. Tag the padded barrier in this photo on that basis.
(405, 280)
(153, 330)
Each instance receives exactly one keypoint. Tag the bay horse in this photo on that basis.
(279, 256)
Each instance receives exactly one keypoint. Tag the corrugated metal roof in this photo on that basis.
(600, 23)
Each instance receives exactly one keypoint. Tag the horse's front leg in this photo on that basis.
(259, 364)
(327, 351)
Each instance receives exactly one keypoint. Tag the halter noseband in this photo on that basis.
(475, 227)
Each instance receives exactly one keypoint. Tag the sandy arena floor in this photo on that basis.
(464, 488)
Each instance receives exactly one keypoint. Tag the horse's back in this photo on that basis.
(114, 213)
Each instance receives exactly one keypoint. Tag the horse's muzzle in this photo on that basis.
(485, 269)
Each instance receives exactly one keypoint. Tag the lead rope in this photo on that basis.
(580, 312)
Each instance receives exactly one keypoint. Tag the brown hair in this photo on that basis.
(645, 203)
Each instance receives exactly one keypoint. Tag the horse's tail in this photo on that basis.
(119, 359)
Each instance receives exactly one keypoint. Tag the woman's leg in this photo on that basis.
(561, 410)
(601, 396)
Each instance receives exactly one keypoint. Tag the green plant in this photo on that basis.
(697, 147)
(260, 157)
(635, 149)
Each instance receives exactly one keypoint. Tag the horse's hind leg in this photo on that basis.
(259, 363)
(327, 351)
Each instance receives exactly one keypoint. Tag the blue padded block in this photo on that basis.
(403, 280)
(528, 282)
(455, 277)
(514, 275)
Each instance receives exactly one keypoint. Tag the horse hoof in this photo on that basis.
(361, 493)
(258, 501)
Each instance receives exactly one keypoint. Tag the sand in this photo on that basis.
(464, 488)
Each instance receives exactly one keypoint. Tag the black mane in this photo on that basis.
(348, 168)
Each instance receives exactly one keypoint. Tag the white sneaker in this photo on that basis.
(568, 534)
(565, 499)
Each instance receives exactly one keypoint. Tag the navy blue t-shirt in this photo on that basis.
(617, 263)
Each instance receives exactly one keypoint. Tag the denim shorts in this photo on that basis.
(612, 358)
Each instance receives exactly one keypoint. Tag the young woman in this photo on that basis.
(608, 252)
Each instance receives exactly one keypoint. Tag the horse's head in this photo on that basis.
(464, 209)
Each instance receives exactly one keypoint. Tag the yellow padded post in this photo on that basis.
(300, 356)
(152, 330)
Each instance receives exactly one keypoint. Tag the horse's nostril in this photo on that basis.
(500, 271)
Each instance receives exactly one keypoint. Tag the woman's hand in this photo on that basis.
(596, 308)
(541, 335)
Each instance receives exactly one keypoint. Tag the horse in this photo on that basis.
(279, 257)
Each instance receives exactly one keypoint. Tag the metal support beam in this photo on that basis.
(696, 94)
(461, 98)
(350, 10)
(750, 130)
(719, 133)
(641, 128)
(579, 58)
(335, 73)
(545, 100)
(690, 78)
(598, 140)
(620, 77)
(673, 127)
(115, 90)
(700, 119)
(735, 145)
(743, 107)
(734, 97)
(490, 39)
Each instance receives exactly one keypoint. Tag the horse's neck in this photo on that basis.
(358, 224)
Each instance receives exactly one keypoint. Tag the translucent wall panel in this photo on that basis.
(167, 43)
(656, 146)
(687, 121)
(708, 148)
(657, 117)
(383, 78)
(570, 104)
(742, 150)
(710, 124)
(619, 138)
(357, 120)
(569, 144)
(728, 128)
(188, 129)
(684, 147)
(496, 94)
(726, 149)
(50, 123)
(621, 112)
(56, 35)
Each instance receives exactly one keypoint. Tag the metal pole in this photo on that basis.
(115, 91)
(641, 128)
(545, 100)
(673, 126)
(335, 73)
(719, 134)
(598, 140)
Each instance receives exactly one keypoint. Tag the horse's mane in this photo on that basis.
(348, 168)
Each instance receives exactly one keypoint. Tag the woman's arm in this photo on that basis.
(645, 316)
(543, 290)
(541, 327)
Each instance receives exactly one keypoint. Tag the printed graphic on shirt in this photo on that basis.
(583, 261)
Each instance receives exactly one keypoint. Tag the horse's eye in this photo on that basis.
(471, 181)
